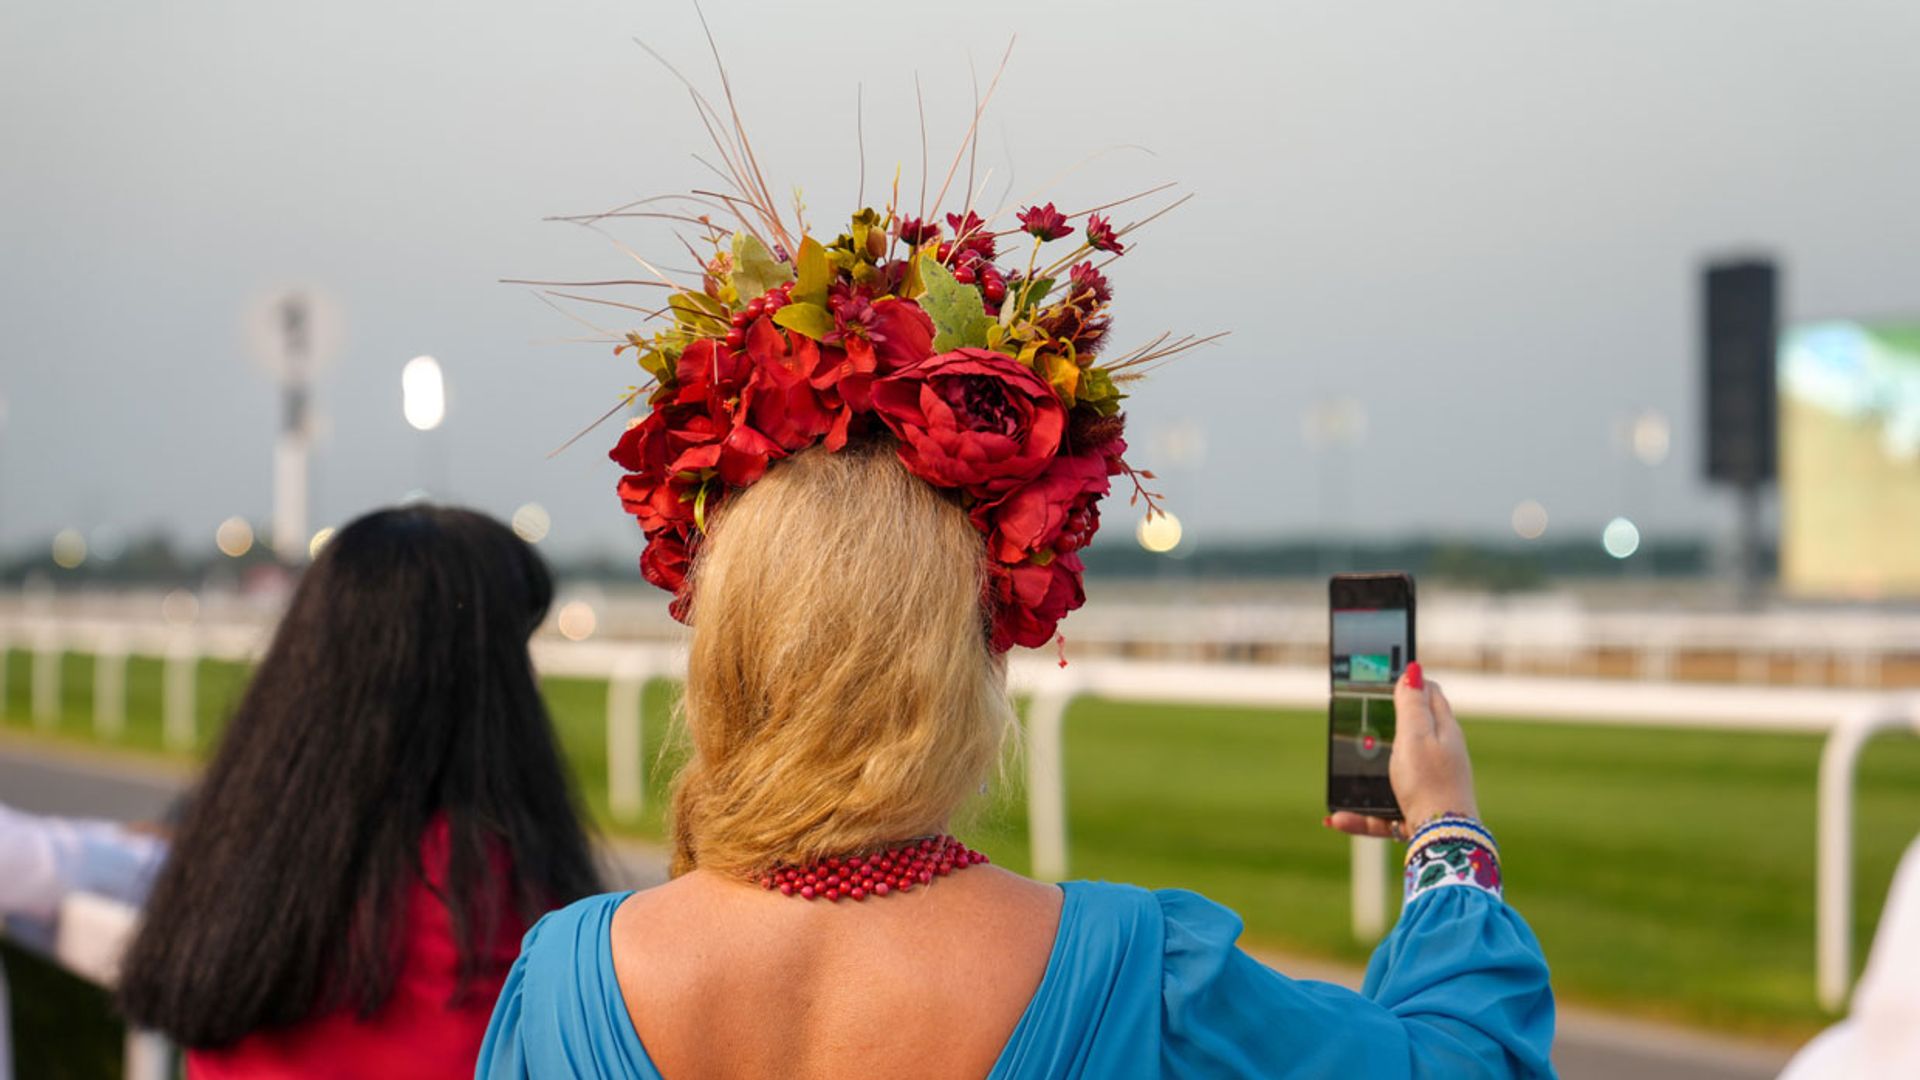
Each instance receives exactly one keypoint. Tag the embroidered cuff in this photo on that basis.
(1452, 851)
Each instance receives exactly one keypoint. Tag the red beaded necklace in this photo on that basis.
(894, 869)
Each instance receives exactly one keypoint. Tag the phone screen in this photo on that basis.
(1371, 644)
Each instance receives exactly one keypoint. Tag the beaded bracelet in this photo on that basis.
(1452, 850)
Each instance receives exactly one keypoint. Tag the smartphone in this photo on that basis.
(1370, 636)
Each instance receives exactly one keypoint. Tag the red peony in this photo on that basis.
(665, 562)
(972, 419)
(1058, 512)
(781, 400)
(1044, 222)
(1101, 237)
(1029, 600)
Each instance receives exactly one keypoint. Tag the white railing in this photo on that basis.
(90, 936)
(1848, 716)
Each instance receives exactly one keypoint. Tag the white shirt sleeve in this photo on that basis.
(42, 859)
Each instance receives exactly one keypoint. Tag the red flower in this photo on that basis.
(1100, 235)
(1029, 600)
(970, 234)
(665, 562)
(916, 232)
(1044, 222)
(972, 419)
(1089, 286)
(781, 400)
(1057, 512)
(876, 340)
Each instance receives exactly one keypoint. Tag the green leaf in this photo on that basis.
(755, 270)
(1097, 389)
(959, 316)
(809, 319)
(816, 273)
(1036, 292)
(699, 313)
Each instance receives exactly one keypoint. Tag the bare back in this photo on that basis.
(724, 979)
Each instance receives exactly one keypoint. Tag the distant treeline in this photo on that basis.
(1502, 566)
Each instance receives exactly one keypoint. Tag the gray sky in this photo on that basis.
(1481, 219)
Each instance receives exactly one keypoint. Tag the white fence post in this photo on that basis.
(1833, 899)
(149, 1056)
(46, 679)
(626, 738)
(1047, 783)
(1369, 887)
(178, 725)
(110, 688)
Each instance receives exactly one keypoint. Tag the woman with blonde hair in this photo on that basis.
(844, 699)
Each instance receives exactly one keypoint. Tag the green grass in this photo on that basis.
(1667, 873)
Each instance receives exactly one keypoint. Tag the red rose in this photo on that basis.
(665, 562)
(1029, 600)
(972, 419)
(1059, 511)
(781, 401)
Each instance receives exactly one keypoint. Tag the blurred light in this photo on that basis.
(1621, 538)
(576, 620)
(1530, 520)
(1339, 422)
(319, 541)
(1159, 533)
(531, 522)
(423, 393)
(69, 549)
(180, 607)
(234, 537)
(106, 543)
(1652, 437)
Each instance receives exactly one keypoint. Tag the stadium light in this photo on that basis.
(234, 537)
(531, 522)
(69, 549)
(1621, 538)
(1530, 520)
(1159, 533)
(423, 393)
(576, 620)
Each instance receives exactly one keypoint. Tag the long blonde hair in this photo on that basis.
(840, 691)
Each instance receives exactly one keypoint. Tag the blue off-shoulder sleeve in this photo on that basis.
(560, 1012)
(1458, 989)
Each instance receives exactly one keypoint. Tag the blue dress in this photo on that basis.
(1139, 984)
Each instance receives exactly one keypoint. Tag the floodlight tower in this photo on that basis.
(290, 450)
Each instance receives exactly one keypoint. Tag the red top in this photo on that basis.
(417, 1033)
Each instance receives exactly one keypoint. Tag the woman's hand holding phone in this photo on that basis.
(1430, 771)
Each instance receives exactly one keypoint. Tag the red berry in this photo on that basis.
(755, 310)
(882, 889)
(859, 893)
(806, 892)
(736, 338)
(996, 291)
(786, 888)
(964, 275)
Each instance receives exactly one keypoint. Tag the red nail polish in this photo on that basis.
(1414, 678)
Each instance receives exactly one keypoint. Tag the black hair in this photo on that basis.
(398, 687)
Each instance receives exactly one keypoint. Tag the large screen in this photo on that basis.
(1850, 459)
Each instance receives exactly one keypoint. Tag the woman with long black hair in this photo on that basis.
(386, 814)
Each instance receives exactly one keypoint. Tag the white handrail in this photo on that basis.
(1833, 902)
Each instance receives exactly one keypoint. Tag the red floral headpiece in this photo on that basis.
(990, 378)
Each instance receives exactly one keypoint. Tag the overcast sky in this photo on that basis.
(1481, 220)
